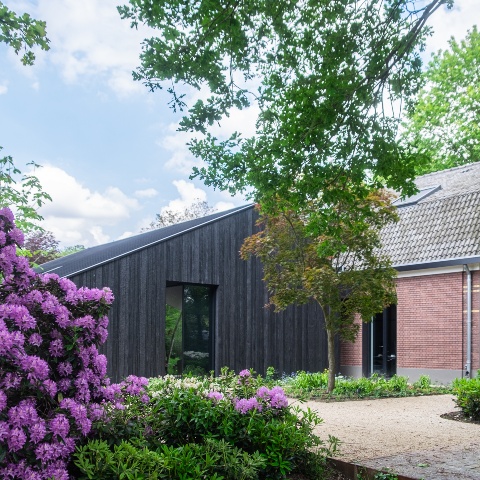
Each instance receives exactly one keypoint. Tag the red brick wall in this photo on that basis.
(351, 353)
(429, 323)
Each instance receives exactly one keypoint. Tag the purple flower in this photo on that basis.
(217, 396)
(60, 426)
(4, 431)
(64, 369)
(38, 431)
(56, 348)
(245, 373)
(35, 339)
(263, 392)
(3, 400)
(244, 405)
(36, 368)
(16, 440)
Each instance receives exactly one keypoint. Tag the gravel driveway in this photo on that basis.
(392, 431)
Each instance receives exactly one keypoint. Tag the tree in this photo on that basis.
(444, 126)
(170, 216)
(345, 273)
(319, 73)
(22, 32)
(43, 247)
(22, 193)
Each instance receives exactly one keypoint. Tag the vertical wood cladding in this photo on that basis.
(247, 335)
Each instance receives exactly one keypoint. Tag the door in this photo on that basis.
(380, 344)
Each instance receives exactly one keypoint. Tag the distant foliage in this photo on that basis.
(42, 247)
(53, 381)
(444, 126)
(170, 216)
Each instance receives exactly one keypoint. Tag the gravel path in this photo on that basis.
(402, 430)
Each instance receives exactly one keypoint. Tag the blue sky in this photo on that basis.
(110, 154)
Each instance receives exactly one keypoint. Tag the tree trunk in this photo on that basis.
(332, 368)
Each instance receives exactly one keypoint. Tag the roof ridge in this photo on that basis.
(451, 169)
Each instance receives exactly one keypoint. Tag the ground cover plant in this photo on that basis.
(304, 384)
(230, 426)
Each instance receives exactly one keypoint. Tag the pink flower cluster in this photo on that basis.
(53, 381)
(264, 398)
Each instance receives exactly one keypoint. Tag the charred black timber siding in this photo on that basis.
(246, 334)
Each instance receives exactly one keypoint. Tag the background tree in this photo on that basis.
(319, 74)
(170, 216)
(444, 126)
(345, 273)
(43, 247)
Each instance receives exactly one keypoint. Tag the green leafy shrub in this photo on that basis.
(315, 384)
(212, 459)
(467, 392)
(238, 417)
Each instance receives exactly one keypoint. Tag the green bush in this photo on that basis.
(245, 426)
(467, 392)
(212, 459)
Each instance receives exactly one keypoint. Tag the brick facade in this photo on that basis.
(431, 324)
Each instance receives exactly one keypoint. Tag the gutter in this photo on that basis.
(468, 365)
(436, 263)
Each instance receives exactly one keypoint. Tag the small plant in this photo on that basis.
(467, 392)
(315, 384)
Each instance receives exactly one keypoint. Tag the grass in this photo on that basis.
(306, 385)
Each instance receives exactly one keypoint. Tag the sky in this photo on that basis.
(110, 154)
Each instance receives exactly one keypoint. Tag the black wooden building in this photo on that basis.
(186, 301)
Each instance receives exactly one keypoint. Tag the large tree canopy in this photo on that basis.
(444, 126)
(319, 74)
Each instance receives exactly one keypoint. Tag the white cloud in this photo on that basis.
(88, 40)
(188, 195)
(147, 193)
(451, 23)
(3, 88)
(78, 215)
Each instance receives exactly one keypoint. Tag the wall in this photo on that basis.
(431, 328)
(247, 335)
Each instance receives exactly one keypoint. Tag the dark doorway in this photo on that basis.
(189, 329)
(380, 344)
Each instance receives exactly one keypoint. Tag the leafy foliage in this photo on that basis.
(342, 269)
(22, 193)
(444, 126)
(243, 416)
(22, 32)
(304, 384)
(169, 216)
(467, 393)
(318, 73)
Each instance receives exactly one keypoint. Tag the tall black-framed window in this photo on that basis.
(379, 347)
(189, 326)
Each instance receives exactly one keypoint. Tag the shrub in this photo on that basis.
(53, 381)
(238, 410)
(467, 392)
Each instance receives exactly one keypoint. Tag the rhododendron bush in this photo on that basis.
(53, 381)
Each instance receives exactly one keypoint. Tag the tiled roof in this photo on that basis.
(91, 257)
(443, 226)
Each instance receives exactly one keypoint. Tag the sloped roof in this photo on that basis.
(442, 228)
(100, 254)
